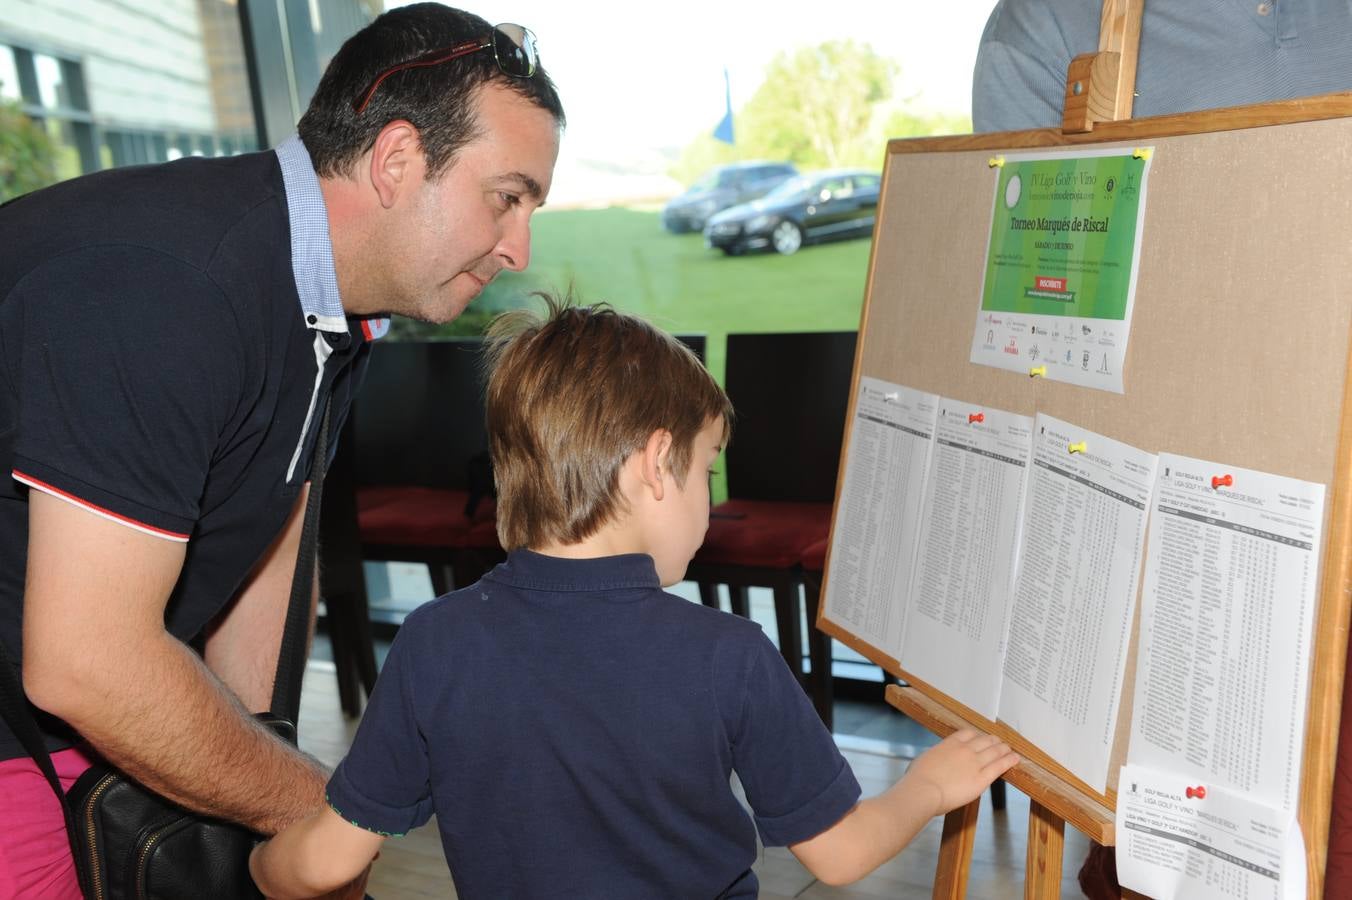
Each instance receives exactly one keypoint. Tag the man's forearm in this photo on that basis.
(184, 735)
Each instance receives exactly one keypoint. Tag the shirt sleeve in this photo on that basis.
(384, 783)
(128, 368)
(795, 779)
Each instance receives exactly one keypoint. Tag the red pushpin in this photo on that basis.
(975, 417)
(1218, 481)
(1199, 792)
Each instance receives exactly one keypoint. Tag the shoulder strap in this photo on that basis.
(296, 634)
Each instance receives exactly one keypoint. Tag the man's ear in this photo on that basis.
(396, 160)
(656, 459)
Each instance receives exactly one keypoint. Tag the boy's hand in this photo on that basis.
(959, 768)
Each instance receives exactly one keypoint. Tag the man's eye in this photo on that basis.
(508, 199)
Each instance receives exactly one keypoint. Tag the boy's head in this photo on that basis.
(576, 396)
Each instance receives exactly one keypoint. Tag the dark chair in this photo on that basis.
(422, 475)
(820, 685)
(789, 392)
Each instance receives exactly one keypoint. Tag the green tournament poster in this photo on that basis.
(1061, 265)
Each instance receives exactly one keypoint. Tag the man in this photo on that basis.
(169, 339)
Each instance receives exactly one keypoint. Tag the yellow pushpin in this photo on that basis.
(995, 162)
(1077, 448)
(1141, 153)
(1036, 371)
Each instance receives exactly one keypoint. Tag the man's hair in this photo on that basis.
(440, 100)
(570, 397)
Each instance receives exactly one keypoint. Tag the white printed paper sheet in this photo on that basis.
(1227, 613)
(1181, 838)
(969, 536)
(878, 515)
(1075, 594)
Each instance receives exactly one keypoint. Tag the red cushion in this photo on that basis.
(483, 535)
(418, 516)
(763, 533)
(814, 557)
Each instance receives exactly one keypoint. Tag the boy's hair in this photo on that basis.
(570, 398)
(439, 100)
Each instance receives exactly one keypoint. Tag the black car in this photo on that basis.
(815, 207)
(720, 188)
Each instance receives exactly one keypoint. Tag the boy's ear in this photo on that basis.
(396, 159)
(656, 459)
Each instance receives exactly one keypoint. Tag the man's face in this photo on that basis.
(462, 228)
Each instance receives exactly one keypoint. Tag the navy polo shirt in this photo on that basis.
(158, 366)
(574, 728)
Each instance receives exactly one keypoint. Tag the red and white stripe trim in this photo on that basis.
(375, 329)
(96, 509)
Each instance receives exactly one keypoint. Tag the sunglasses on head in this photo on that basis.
(513, 48)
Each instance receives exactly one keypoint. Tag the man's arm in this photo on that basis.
(946, 776)
(96, 654)
(243, 643)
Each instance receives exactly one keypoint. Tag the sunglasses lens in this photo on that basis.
(514, 47)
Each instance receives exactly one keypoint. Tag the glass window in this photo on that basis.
(52, 90)
(176, 85)
(9, 75)
(69, 143)
(834, 187)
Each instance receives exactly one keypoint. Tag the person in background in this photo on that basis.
(1197, 55)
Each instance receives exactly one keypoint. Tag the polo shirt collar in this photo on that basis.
(312, 263)
(535, 571)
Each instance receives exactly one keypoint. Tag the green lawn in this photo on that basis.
(624, 257)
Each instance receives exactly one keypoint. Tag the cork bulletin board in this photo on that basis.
(1239, 339)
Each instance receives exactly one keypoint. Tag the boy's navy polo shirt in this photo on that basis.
(157, 368)
(574, 728)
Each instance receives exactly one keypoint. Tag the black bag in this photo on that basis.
(129, 843)
(136, 844)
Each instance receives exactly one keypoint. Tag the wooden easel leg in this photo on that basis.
(955, 852)
(1046, 841)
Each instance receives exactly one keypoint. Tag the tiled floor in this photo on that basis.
(413, 866)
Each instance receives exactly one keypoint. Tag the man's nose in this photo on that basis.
(514, 248)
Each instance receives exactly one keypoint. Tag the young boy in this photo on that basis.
(573, 727)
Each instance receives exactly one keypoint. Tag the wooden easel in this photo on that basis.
(1099, 90)
(1100, 87)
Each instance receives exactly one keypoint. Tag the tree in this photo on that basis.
(825, 106)
(904, 124)
(817, 104)
(27, 156)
